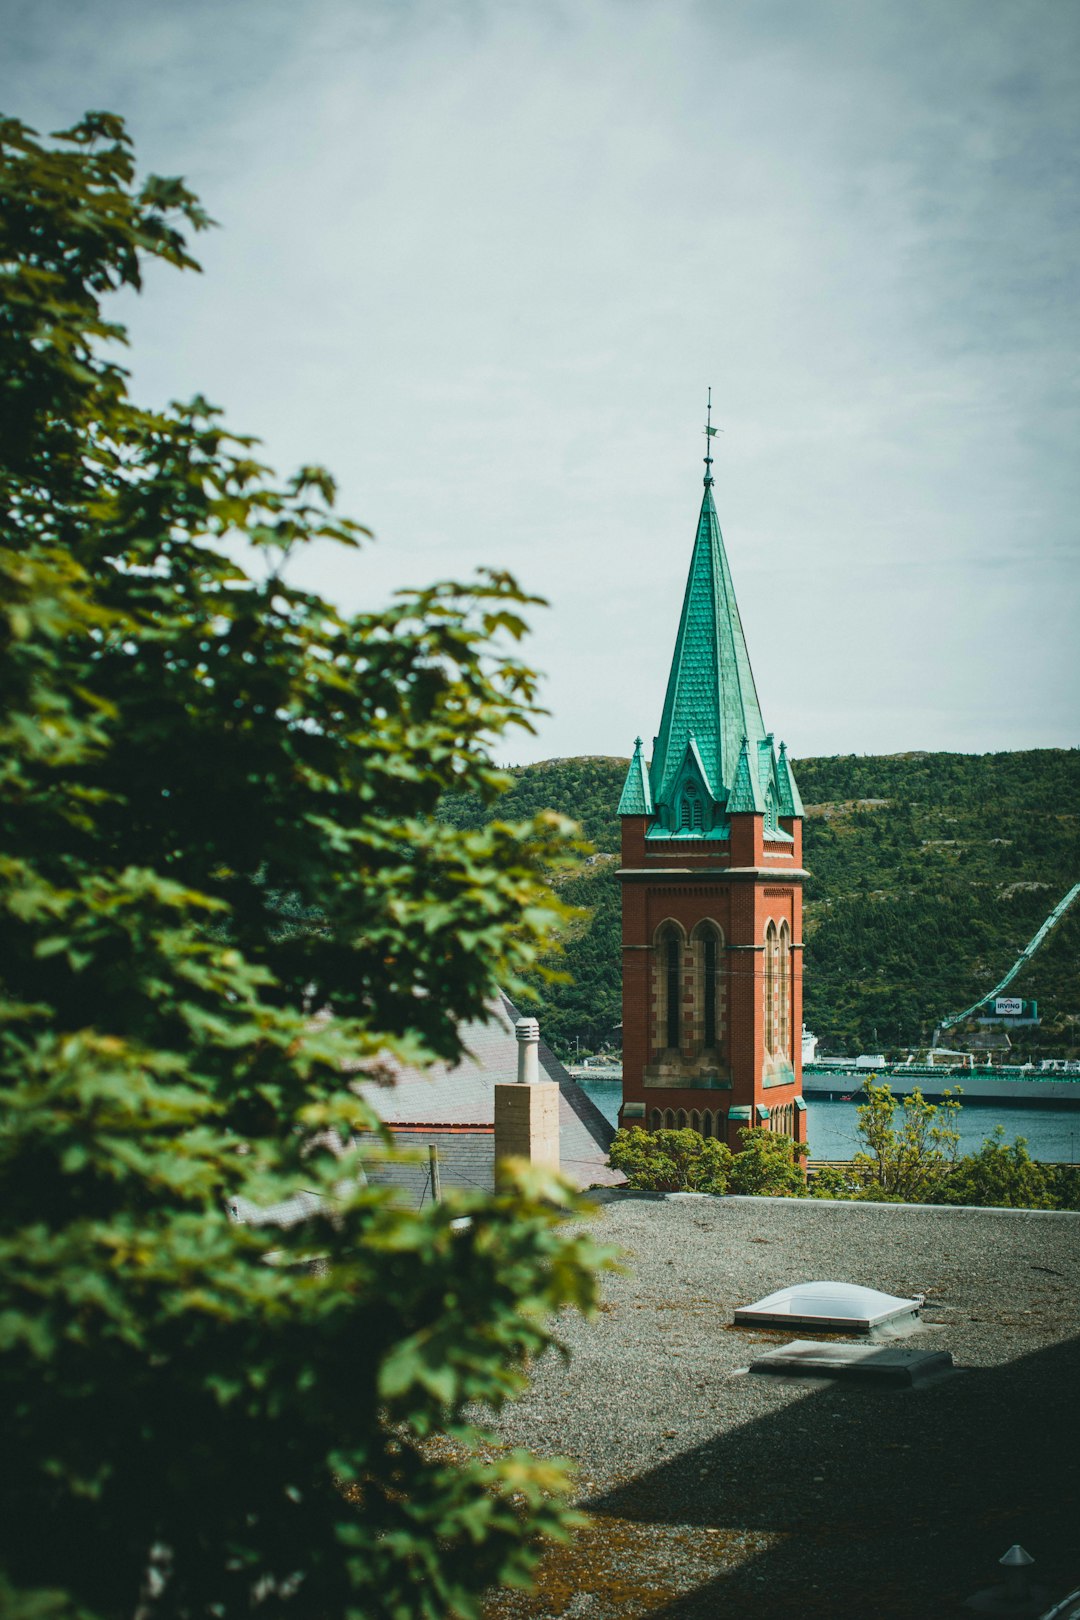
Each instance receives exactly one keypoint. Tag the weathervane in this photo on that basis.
(710, 433)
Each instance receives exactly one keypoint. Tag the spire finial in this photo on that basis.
(710, 433)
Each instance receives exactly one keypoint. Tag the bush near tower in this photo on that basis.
(683, 1160)
(216, 798)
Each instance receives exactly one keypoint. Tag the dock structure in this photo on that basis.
(1024, 1084)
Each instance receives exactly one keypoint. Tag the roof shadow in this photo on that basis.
(859, 1501)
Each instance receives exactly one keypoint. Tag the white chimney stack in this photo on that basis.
(527, 1111)
(528, 1068)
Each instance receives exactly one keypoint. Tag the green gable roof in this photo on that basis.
(710, 691)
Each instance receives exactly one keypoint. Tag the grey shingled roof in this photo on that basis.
(466, 1159)
(464, 1094)
(452, 1107)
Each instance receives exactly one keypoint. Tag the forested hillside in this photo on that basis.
(929, 874)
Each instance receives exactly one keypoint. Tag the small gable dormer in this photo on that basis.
(691, 807)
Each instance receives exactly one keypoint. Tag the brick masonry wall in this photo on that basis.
(741, 907)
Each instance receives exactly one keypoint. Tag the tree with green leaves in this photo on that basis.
(671, 1161)
(683, 1160)
(1001, 1175)
(768, 1165)
(905, 1160)
(222, 882)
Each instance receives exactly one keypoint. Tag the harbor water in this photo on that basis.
(1052, 1134)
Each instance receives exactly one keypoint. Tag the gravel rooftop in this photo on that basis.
(717, 1492)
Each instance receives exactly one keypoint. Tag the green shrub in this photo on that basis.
(768, 1165)
(685, 1161)
(1000, 1175)
(1064, 1181)
(671, 1161)
(832, 1181)
(905, 1161)
(188, 1430)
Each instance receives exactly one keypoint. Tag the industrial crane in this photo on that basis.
(1025, 956)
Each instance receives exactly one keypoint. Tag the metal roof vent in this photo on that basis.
(833, 1307)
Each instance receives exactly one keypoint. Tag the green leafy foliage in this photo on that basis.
(222, 883)
(591, 784)
(910, 1144)
(671, 1161)
(579, 988)
(768, 1164)
(1002, 1175)
(686, 1161)
(911, 1155)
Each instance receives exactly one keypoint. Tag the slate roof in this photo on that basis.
(466, 1159)
(422, 1104)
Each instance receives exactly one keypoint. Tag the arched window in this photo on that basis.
(671, 970)
(706, 1123)
(669, 1120)
(695, 1121)
(680, 1123)
(709, 989)
(656, 1119)
(668, 946)
(707, 944)
(784, 989)
(771, 955)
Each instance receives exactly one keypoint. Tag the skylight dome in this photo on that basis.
(836, 1306)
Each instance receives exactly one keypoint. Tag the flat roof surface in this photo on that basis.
(716, 1493)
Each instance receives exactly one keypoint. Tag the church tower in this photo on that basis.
(712, 886)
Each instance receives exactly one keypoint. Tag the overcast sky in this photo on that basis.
(483, 257)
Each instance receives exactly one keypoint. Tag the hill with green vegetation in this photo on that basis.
(929, 873)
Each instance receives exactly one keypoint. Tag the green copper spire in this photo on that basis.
(746, 792)
(790, 799)
(710, 692)
(636, 798)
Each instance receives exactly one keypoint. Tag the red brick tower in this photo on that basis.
(712, 886)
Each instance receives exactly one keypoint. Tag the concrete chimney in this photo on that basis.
(527, 1111)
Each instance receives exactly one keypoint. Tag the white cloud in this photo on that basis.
(482, 260)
